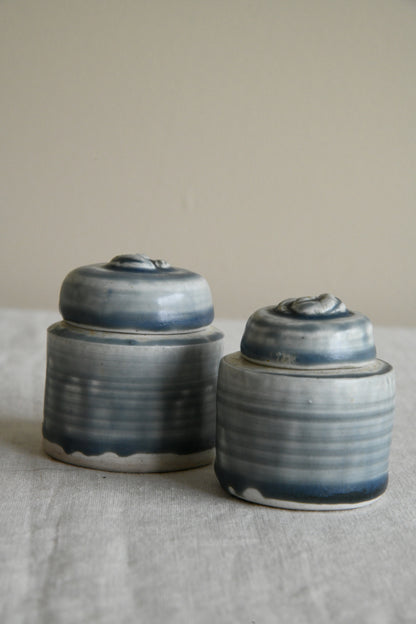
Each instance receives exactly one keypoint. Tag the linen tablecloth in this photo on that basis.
(79, 545)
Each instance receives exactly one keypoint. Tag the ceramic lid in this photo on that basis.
(134, 293)
(309, 332)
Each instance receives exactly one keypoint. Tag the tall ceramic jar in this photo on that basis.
(305, 410)
(132, 369)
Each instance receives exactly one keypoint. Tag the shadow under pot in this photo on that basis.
(305, 410)
(132, 369)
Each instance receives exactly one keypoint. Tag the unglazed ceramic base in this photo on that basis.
(139, 462)
(254, 496)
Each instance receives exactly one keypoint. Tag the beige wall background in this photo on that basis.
(269, 145)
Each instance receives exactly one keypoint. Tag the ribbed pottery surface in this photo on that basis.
(318, 437)
(108, 392)
(309, 332)
(134, 293)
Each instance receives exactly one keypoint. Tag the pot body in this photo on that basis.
(131, 402)
(302, 439)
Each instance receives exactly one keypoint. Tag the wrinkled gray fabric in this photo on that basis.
(80, 545)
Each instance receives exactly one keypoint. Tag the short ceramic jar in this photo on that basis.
(132, 369)
(305, 410)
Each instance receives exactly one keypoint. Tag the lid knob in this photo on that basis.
(137, 262)
(312, 307)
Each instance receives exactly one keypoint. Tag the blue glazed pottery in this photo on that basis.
(305, 410)
(132, 369)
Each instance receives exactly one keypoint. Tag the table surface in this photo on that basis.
(79, 545)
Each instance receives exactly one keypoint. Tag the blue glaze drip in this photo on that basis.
(95, 417)
(93, 443)
(127, 394)
(305, 493)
